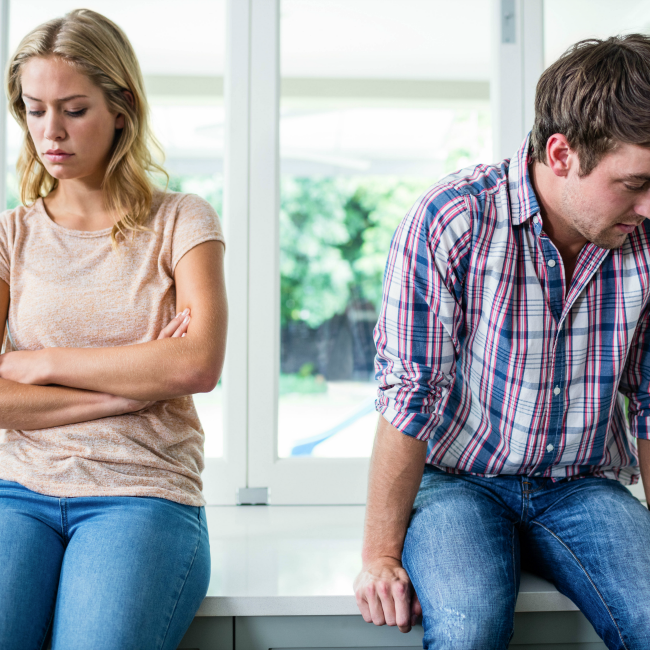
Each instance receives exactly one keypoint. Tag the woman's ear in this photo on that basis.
(119, 118)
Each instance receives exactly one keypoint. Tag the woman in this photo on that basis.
(103, 536)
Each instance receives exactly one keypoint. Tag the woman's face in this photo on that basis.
(68, 119)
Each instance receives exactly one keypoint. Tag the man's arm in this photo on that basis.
(383, 590)
(417, 337)
(155, 370)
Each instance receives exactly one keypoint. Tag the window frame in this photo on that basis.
(308, 481)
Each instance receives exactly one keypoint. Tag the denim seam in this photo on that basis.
(514, 580)
(180, 593)
(64, 519)
(525, 501)
(573, 555)
(47, 628)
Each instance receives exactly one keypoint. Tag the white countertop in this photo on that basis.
(302, 560)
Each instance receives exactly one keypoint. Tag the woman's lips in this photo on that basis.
(58, 156)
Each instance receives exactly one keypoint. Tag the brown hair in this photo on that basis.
(597, 94)
(98, 48)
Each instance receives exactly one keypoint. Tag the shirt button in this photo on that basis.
(537, 474)
(550, 448)
(556, 390)
(551, 263)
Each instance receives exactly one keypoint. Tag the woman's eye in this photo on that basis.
(78, 113)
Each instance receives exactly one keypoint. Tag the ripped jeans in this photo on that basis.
(469, 535)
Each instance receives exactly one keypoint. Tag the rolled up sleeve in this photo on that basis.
(422, 314)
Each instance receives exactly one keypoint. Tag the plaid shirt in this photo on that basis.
(482, 351)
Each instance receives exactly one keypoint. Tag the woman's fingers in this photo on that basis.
(176, 327)
(182, 328)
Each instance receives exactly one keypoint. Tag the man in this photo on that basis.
(514, 321)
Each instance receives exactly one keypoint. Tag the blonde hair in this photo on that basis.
(98, 48)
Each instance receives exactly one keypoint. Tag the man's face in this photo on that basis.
(608, 204)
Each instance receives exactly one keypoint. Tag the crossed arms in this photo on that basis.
(91, 383)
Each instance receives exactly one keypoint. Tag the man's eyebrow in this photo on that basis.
(63, 99)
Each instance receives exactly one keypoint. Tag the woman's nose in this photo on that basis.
(53, 127)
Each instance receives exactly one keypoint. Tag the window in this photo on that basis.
(566, 23)
(366, 126)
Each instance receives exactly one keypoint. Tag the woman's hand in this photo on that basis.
(125, 405)
(25, 367)
(176, 327)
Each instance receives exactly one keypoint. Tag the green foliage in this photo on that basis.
(334, 239)
(306, 370)
(385, 202)
(315, 277)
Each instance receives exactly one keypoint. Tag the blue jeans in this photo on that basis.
(105, 573)
(468, 537)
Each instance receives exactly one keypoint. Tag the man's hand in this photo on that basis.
(383, 589)
(385, 595)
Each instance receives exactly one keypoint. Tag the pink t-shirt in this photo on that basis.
(70, 289)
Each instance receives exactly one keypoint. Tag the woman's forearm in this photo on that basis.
(27, 407)
(156, 370)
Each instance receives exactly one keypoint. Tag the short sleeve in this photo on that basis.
(196, 222)
(5, 244)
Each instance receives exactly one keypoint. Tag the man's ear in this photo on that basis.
(559, 156)
(119, 119)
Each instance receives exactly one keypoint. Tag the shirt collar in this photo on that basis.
(523, 202)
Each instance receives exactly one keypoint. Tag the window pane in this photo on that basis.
(181, 54)
(569, 21)
(380, 98)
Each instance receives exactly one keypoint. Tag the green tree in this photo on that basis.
(334, 238)
(315, 277)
